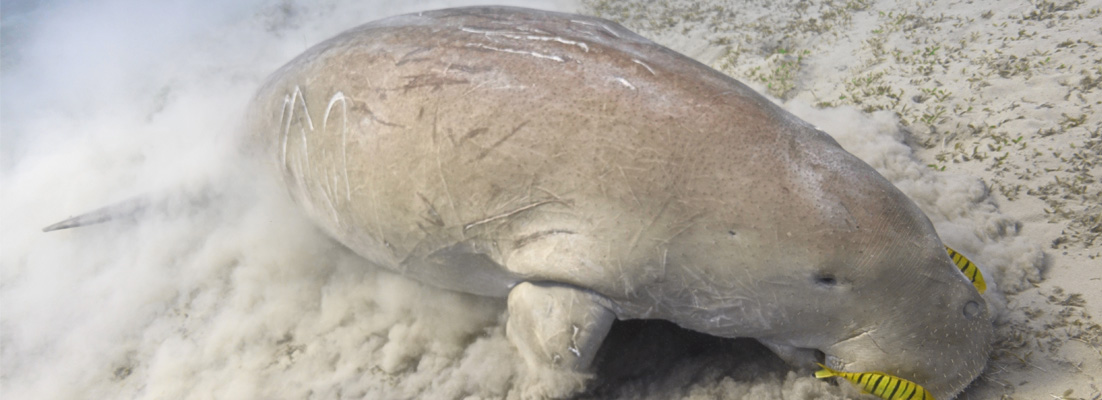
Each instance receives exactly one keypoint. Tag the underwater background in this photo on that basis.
(984, 113)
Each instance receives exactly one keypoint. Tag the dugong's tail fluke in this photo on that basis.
(124, 209)
(139, 206)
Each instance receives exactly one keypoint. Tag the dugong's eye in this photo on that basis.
(827, 280)
(971, 309)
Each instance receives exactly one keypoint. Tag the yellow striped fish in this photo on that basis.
(968, 268)
(878, 384)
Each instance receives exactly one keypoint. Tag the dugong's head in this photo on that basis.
(831, 258)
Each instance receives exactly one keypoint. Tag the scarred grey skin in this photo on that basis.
(589, 174)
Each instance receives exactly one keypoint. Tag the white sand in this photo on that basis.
(996, 137)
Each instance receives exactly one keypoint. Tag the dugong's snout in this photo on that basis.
(889, 300)
(942, 349)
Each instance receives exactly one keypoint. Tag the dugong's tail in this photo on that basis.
(131, 208)
(137, 207)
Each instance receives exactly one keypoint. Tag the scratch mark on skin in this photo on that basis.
(487, 150)
(435, 81)
(507, 214)
(434, 217)
(305, 149)
(470, 69)
(698, 277)
(510, 35)
(375, 118)
(334, 181)
(440, 166)
(531, 238)
(302, 100)
(288, 116)
(298, 171)
(553, 195)
(873, 339)
(574, 343)
(651, 70)
(515, 51)
(653, 221)
(480, 85)
(473, 133)
(289, 107)
(608, 31)
(665, 263)
(526, 28)
(285, 126)
(361, 106)
(308, 166)
(687, 223)
(625, 83)
(472, 88)
(604, 29)
(329, 200)
(630, 190)
(339, 96)
(406, 58)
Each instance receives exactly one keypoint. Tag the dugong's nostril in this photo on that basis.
(971, 309)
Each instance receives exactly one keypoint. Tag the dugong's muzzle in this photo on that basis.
(942, 357)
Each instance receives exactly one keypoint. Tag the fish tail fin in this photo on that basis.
(968, 268)
(980, 284)
(826, 372)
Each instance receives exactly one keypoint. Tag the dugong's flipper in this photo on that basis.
(557, 329)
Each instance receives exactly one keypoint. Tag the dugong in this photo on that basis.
(588, 174)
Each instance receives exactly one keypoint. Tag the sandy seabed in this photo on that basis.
(985, 113)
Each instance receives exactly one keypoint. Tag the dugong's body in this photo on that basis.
(589, 174)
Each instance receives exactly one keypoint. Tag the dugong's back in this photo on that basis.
(454, 145)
